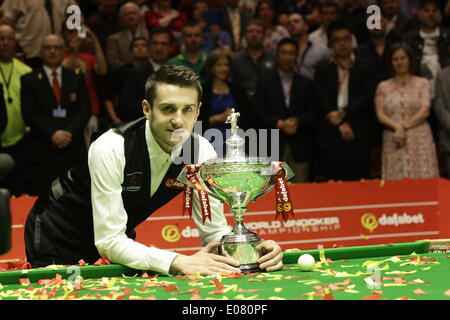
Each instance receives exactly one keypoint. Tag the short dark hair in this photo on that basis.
(287, 40)
(335, 26)
(422, 3)
(329, 3)
(271, 6)
(409, 52)
(254, 21)
(172, 74)
(133, 42)
(161, 30)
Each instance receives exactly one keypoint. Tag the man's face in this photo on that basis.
(296, 25)
(390, 8)
(7, 42)
(131, 17)
(193, 38)
(160, 48)
(172, 115)
(287, 57)
(328, 15)
(52, 51)
(254, 35)
(341, 43)
(266, 12)
(428, 15)
(140, 49)
(201, 7)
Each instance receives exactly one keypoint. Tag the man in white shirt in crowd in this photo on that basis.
(310, 53)
(92, 210)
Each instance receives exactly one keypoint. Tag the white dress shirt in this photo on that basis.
(49, 73)
(106, 165)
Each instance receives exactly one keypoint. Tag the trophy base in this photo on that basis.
(241, 245)
(250, 267)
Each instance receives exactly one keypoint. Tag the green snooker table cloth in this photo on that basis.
(401, 271)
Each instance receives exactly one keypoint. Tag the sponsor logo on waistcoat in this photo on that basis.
(133, 182)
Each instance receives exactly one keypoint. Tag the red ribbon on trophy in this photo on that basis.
(191, 175)
(282, 198)
(187, 195)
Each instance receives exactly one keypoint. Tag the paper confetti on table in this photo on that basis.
(419, 291)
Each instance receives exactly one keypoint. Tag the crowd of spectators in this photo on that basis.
(350, 102)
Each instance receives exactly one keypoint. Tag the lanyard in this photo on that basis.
(9, 81)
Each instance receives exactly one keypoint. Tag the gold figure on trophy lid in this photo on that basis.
(235, 143)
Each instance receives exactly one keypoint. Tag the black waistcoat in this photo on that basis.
(66, 212)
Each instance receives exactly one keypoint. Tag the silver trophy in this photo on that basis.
(237, 180)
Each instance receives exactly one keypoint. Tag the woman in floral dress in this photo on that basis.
(402, 105)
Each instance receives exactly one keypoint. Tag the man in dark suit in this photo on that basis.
(55, 106)
(233, 20)
(284, 101)
(344, 90)
(133, 89)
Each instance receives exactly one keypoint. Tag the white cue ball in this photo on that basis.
(306, 262)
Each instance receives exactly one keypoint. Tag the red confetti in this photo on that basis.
(317, 288)
(194, 291)
(187, 276)
(11, 266)
(255, 280)
(216, 292)
(333, 287)
(419, 291)
(24, 281)
(447, 293)
(377, 292)
(82, 263)
(346, 282)
(232, 276)
(102, 261)
(217, 283)
(56, 280)
(196, 297)
(328, 296)
(372, 297)
(171, 288)
(145, 275)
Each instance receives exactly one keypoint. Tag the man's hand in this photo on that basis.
(288, 126)
(205, 263)
(334, 117)
(272, 258)
(346, 132)
(61, 138)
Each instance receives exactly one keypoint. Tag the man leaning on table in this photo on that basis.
(92, 210)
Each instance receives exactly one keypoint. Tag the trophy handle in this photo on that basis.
(289, 174)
